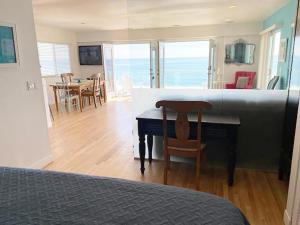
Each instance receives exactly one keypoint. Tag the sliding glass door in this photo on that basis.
(181, 64)
(185, 64)
(108, 63)
(212, 64)
(154, 65)
(132, 67)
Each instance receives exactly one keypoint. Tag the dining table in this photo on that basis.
(77, 86)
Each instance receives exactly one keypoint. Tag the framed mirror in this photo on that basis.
(239, 52)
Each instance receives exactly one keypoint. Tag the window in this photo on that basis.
(184, 64)
(275, 54)
(132, 65)
(54, 58)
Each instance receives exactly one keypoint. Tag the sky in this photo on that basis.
(172, 50)
(187, 49)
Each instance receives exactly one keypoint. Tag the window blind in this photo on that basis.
(54, 58)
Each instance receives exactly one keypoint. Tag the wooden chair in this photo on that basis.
(97, 75)
(101, 85)
(182, 145)
(66, 77)
(95, 92)
(68, 96)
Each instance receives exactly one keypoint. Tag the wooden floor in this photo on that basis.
(99, 142)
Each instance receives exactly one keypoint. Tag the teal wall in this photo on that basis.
(283, 18)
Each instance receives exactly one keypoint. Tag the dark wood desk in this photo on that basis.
(216, 128)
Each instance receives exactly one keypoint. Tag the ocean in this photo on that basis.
(178, 72)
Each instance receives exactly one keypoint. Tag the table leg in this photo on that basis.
(55, 97)
(104, 92)
(142, 148)
(232, 155)
(80, 100)
(150, 147)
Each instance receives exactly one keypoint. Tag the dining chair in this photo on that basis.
(66, 77)
(95, 92)
(96, 75)
(182, 145)
(68, 96)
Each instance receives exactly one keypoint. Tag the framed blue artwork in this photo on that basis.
(8, 47)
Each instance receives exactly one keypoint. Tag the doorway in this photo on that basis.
(131, 64)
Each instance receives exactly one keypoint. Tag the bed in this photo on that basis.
(45, 197)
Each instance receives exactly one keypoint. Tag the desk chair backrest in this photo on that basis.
(182, 125)
(272, 83)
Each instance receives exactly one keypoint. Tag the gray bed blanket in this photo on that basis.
(44, 197)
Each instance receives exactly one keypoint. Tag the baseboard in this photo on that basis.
(286, 218)
(42, 163)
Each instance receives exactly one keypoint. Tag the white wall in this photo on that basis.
(23, 134)
(171, 33)
(224, 34)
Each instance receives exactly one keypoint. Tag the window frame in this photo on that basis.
(271, 49)
(161, 59)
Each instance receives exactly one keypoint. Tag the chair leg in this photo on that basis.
(100, 99)
(82, 101)
(69, 105)
(89, 100)
(94, 98)
(78, 103)
(198, 170)
(166, 169)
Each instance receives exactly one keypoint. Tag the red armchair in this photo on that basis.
(250, 75)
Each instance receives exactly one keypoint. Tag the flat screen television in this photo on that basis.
(90, 55)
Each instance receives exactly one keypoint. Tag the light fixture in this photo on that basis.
(232, 6)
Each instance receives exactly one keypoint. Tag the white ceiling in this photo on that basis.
(138, 14)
